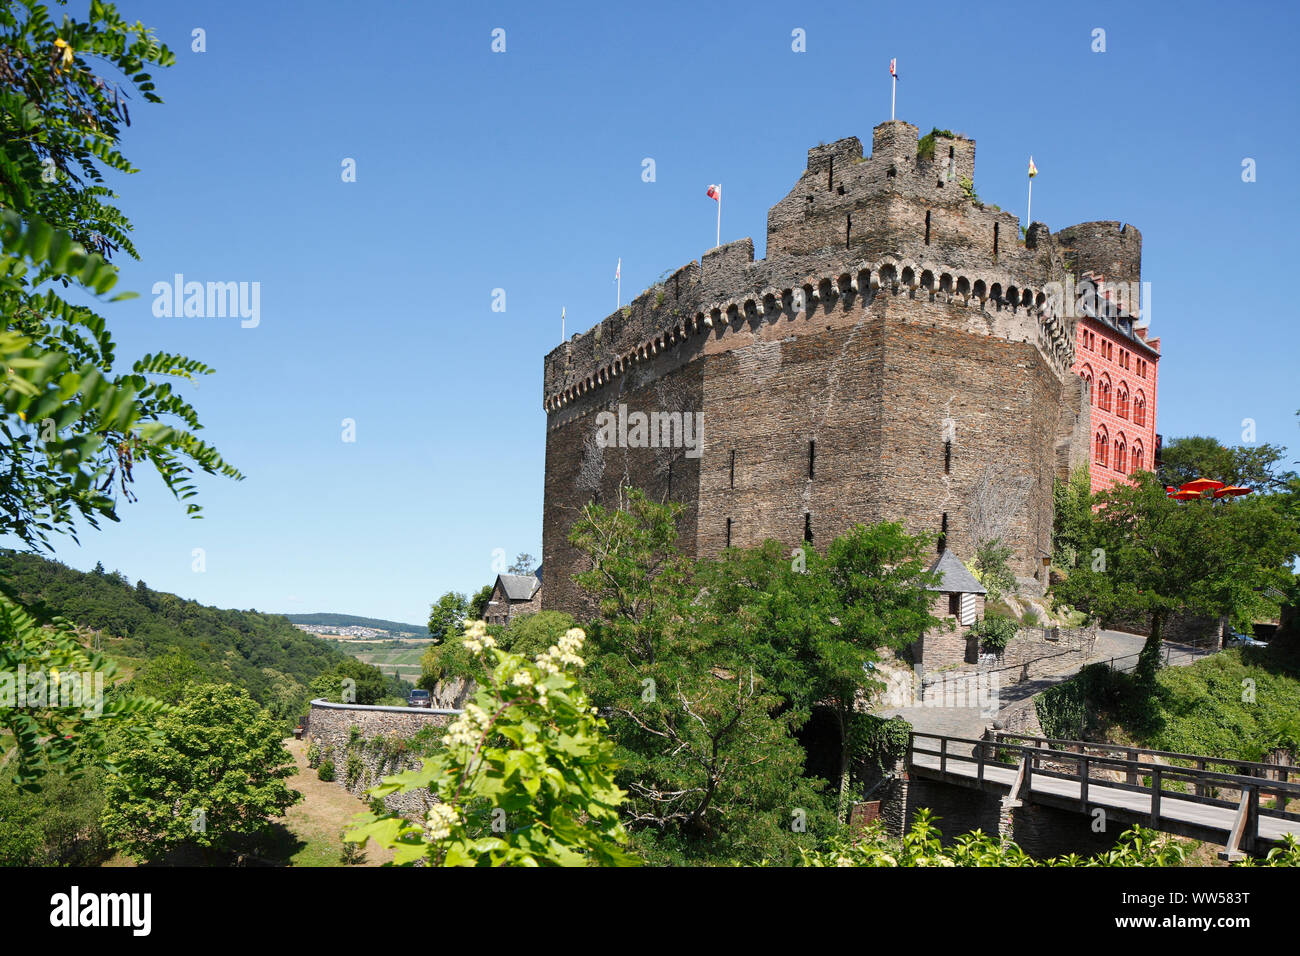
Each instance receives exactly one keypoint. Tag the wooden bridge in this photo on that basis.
(1242, 805)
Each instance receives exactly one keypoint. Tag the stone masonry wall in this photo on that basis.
(329, 726)
(1028, 656)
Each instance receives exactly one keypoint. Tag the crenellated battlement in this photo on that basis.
(998, 305)
(902, 218)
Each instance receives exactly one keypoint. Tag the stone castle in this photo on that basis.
(898, 355)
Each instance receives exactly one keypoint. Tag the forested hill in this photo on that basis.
(262, 653)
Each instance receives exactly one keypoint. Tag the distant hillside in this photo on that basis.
(352, 620)
(262, 653)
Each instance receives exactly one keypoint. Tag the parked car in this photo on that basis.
(1237, 639)
(419, 698)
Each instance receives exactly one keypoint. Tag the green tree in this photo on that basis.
(812, 623)
(165, 677)
(1147, 553)
(73, 428)
(1198, 456)
(447, 615)
(56, 723)
(477, 609)
(709, 762)
(213, 777)
(525, 777)
(352, 682)
(524, 563)
(58, 825)
(1071, 517)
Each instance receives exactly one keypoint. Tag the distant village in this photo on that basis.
(353, 632)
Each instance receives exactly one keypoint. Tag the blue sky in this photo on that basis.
(522, 171)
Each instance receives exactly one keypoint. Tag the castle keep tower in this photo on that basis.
(897, 356)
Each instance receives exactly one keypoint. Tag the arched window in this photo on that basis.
(1120, 454)
(1086, 372)
(1102, 452)
(1103, 393)
(1137, 456)
(1139, 409)
(1121, 401)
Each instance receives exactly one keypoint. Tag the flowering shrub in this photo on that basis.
(525, 777)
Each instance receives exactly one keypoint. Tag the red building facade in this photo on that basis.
(1120, 364)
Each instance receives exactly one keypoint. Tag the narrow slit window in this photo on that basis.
(848, 230)
(728, 532)
(812, 458)
(732, 479)
(927, 227)
(995, 238)
(807, 526)
(947, 457)
(943, 533)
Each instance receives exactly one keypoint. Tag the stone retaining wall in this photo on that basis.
(330, 727)
(1029, 655)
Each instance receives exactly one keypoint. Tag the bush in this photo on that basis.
(326, 771)
(355, 766)
(991, 568)
(995, 631)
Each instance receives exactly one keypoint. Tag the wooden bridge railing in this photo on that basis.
(1248, 768)
(1035, 760)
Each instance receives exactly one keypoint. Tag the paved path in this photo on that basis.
(973, 721)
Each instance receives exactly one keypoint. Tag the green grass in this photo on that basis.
(1238, 703)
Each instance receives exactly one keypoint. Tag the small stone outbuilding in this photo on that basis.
(959, 598)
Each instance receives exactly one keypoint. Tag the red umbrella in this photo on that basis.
(1201, 484)
(1233, 490)
(1185, 496)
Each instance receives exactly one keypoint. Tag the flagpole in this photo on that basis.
(1029, 206)
(718, 241)
(893, 95)
(561, 324)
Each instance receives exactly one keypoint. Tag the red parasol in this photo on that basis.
(1233, 491)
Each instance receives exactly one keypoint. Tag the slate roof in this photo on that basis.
(519, 587)
(955, 576)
